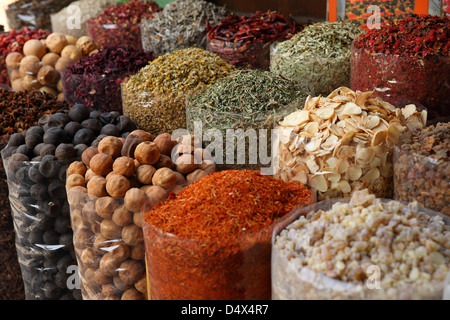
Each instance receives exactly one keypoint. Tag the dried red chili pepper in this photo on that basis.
(245, 41)
(213, 240)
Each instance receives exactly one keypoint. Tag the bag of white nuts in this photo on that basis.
(343, 142)
(108, 191)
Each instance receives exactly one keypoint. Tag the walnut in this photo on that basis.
(89, 214)
(120, 251)
(101, 278)
(87, 155)
(89, 258)
(165, 143)
(196, 175)
(141, 285)
(186, 163)
(137, 253)
(47, 76)
(155, 195)
(86, 45)
(109, 265)
(117, 186)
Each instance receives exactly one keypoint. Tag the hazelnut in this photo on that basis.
(50, 59)
(56, 42)
(181, 180)
(72, 52)
(47, 76)
(76, 167)
(111, 146)
(138, 253)
(105, 207)
(100, 278)
(122, 216)
(101, 164)
(117, 186)
(75, 180)
(155, 195)
(130, 144)
(165, 143)
(132, 294)
(120, 251)
(87, 155)
(89, 258)
(34, 47)
(186, 163)
(109, 265)
(83, 239)
(131, 271)
(97, 186)
(17, 85)
(86, 45)
(124, 166)
(109, 229)
(29, 65)
(196, 175)
(78, 221)
(63, 63)
(176, 189)
(135, 199)
(15, 74)
(145, 173)
(147, 152)
(132, 235)
(165, 178)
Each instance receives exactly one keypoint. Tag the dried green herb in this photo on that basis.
(319, 55)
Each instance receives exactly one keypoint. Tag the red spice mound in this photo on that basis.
(127, 13)
(226, 204)
(417, 36)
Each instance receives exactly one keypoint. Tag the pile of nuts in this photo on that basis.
(42, 61)
(341, 250)
(344, 142)
(109, 189)
(422, 168)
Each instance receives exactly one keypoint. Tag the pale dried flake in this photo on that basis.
(330, 142)
(318, 182)
(336, 130)
(354, 172)
(333, 177)
(312, 165)
(372, 175)
(296, 118)
(375, 162)
(351, 108)
(378, 138)
(325, 113)
(362, 98)
(313, 145)
(408, 110)
(364, 154)
(361, 198)
(312, 128)
(342, 166)
(298, 175)
(344, 187)
(332, 162)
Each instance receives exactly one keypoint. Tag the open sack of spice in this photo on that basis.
(34, 14)
(361, 248)
(244, 106)
(244, 41)
(42, 61)
(108, 190)
(36, 162)
(95, 80)
(406, 62)
(155, 97)
(119, 24)
(319, 55)
(422, 167)
(19, 111)
(180, 25)
(213, 239)
(13, 41)
(344, 142)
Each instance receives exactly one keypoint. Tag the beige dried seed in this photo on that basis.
(354, 172)
(319, 182)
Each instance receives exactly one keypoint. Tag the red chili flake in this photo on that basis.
(213, 240)
(120, 24)
(95, 80)
(13, 41)
(245, 41)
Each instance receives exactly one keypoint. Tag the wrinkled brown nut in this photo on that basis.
(72, 51)
(83, 239)
(101, 164)
(76, 196)
(145, 173)
(120, 285)
(78, 222)
(101, 278)
(63, 63)
(105, 207)
(201, 155)
(141, 285)
(86, 45)
(29, 65)
(89, 174)
(164, 178)
(155, 195)
(77, 167)
(164, 162)
(111, 146)
(89, 214)
(132, 294)
(120, 251)
(110, 230)
(147, 152)
(137, 218)
(131, 271)
(97, 186)
(146, 136)
(89, 258)
(56, 42)
(209, 166)
(137, 253)
(101, 244)
(181, 179)
(75, 180)
(117, 186)
(109, 290)
(47, 76)
(122, 216)
(124, 166)
(130, 144)
(165, 143)
(135, 199)
(109, 265)
(196, 175)
(132, 235)
(186, 163)
(87, 155)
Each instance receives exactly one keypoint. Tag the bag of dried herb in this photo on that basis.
(320, 55)
(182, 24)
(155, 97)
(95, 80)
(422, 168)
(119, 24)
(406, 62)
(63, 22)
(36, 163)
(18, 112)
(244, 41)
(332, 250)
(245, 101)
(212, 240)
(343, 142)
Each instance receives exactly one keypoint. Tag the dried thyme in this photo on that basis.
(320, 55)
(155, 97)
(180, 25)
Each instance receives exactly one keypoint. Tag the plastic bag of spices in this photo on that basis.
(402, 70)
(422, 168)
(36, 163)
(107, 191)
(33, 13)
(343, 142)
(403, 268)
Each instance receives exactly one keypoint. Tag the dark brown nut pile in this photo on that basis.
(422, 168)
(107, 192)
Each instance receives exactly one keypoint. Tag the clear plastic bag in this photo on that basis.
(43, 233)
(292, 282)
(403, 80)
(33, 13)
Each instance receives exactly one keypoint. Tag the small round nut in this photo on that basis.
(117, 186)
(145, 174)
(124, 166)
(97, 186)
(132, 294)
(122, 216)
(135, 199)
(110, 145)
(147, 152)
(76, 167)
(106, 206)
(165, 143)
(89, 258)
(75, 180)
(131, 271)
(164, 178)
(110, 230)
(109, 265)
(120, 251)
(155, 195)
(88, 154)
(186, 163)
(101, 164)
(132, 235)
(196, 175)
